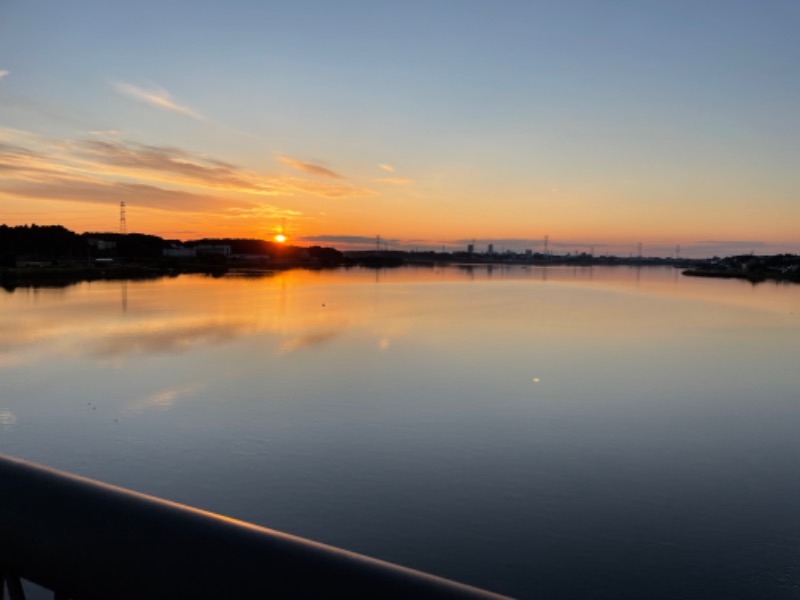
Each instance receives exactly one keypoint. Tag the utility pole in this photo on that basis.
(123, 222)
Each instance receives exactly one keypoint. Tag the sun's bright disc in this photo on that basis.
(280, 238)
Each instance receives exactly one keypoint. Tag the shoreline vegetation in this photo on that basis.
(52, 256)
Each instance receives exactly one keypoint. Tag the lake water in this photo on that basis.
(540, 432)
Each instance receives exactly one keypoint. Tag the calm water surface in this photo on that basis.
(549, 433)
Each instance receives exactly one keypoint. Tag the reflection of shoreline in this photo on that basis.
(751, 276)
(65, 277)
(60, 277)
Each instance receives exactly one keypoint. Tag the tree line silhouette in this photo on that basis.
(55, 242)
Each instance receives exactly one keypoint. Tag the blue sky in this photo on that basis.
(596, 123)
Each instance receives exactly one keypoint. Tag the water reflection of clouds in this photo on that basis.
(164, 338)
(314, 338)
(17, 337)
(166, 399)
(22, 332)
(7, 418)
(299, 314)
(155, 336)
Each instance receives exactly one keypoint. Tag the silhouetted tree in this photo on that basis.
(48, 241)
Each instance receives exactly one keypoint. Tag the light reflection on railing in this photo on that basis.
(86, 540)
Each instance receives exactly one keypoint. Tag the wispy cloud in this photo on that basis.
(166, 178)
(350, 240)
(176, 165)
(261, 212)
(3, 73)
(100, 192)
(106, 132)
(308, 167)
(392, 180)
(739, 243)
(157, 97)
(395, 180)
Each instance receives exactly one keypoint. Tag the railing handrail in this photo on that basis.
(92, 540)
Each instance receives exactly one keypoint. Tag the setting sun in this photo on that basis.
(280, 238)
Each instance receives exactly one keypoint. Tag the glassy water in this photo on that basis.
(549, 433)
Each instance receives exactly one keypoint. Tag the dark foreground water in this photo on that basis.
(560, 433)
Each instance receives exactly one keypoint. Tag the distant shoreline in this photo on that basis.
(66, 275)
(62, 276)
(751, 276)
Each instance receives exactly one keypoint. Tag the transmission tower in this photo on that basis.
(123, 223)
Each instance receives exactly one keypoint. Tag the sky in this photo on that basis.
(599, 124)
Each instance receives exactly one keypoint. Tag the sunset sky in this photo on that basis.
(600, 124)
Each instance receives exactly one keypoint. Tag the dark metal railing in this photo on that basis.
(85, 540)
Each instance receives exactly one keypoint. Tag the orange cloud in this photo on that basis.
(189, 191)
(178, 166)
(31, 164)
(308, 167)
(395, 180)
(101, 192)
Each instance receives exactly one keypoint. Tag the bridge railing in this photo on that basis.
(87, 540)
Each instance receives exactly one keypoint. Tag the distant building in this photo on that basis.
(490, 249)
(101, 244)
(471, 248)
(179, 252)
(218, 249)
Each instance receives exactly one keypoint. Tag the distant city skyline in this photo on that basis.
(599, 124)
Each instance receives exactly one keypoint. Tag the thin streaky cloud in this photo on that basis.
(386, 167)
(95, 191)
(395, 180)
(740, 243)
(308, 167)
(159, 98)
(175, 165)
(106, 132)
(260, 212)
(55, 168)
(347, 239)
